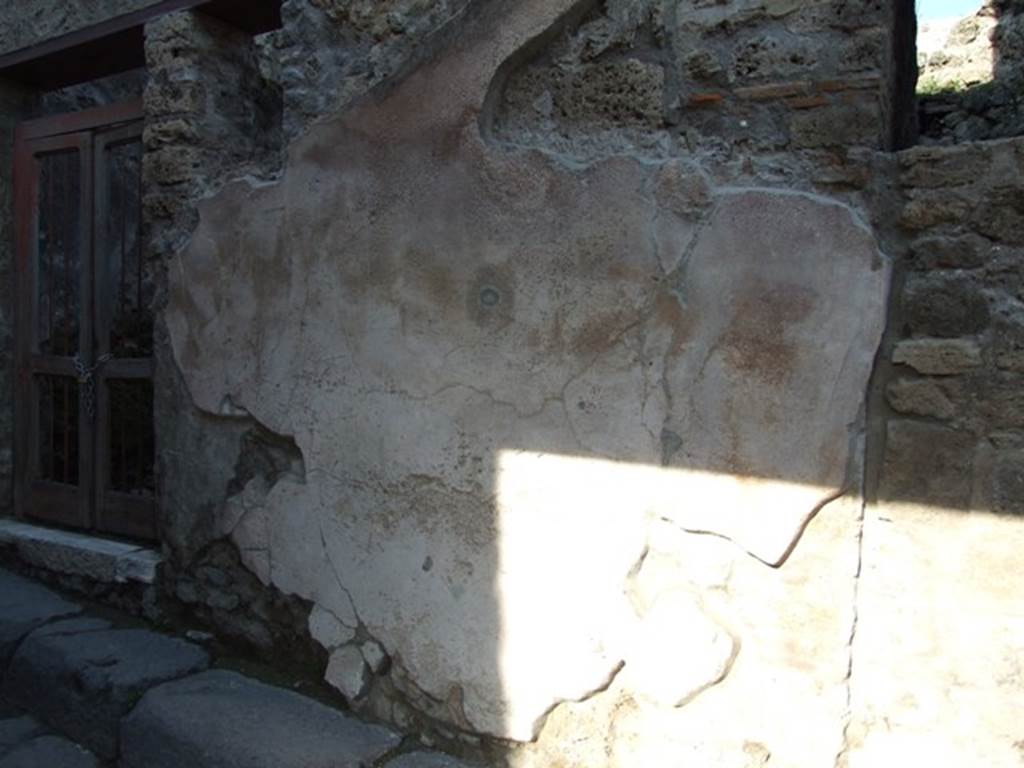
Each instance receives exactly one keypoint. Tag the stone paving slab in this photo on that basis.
(25, 606)
(81, 677)
(15, 730)
(48, 752)
(426, 760)
(220, 719)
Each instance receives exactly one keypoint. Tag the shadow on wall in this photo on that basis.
(563, 425)
(951, 111)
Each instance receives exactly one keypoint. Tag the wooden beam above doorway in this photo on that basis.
(118, 45)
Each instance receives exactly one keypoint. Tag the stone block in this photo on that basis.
(920, 397)
(1001, 216)
(25, 606)
(937, 167)
(49, 752)
(82, 679)
(348, 671)
(773, 56)
(963, 252)
(1007, 493)
(77, 554)
(426, 760)
(932, 208)
(221, 719)
(173, 99)
(938, 357)
(1001, 401)
(17, 730)
(927, 464)
(944, 307)
(836, 125)
(173, 165)
(865, 51)
(617, 94)
(1011, 360)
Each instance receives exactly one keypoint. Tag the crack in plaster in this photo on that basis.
(337, 576)
(847, 717)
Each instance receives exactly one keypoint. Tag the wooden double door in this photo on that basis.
(84, 384)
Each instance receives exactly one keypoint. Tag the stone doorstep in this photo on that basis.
(80, 554)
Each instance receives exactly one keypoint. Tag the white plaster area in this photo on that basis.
(938, 657)
(80, 554)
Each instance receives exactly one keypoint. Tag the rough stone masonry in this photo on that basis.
(594, 383)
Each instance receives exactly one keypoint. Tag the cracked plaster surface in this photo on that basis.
(502, 370)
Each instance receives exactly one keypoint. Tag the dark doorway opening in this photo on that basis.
(84, 386)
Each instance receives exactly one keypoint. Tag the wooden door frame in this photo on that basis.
(51, 501)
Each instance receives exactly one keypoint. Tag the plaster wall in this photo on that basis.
(563, 424)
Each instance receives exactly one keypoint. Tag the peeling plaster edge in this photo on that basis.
(538, 725)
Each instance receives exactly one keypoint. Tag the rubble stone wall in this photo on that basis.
(973, 88)
(659, 77)
(31, 23)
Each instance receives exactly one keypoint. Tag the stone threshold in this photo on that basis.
(80, 554)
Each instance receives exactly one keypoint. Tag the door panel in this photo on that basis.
(85, 445)
(125, 448)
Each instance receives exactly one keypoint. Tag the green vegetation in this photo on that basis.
(935, 85)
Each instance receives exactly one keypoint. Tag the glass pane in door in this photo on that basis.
(57, 438)
(130, 441)
(129, 281)
(58, 255)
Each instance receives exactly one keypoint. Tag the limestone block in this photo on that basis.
(938, 357)
(928, 464)
(921, 397)
(852, 124)
(944, 307)
(80, 554)
(965, 252)
(348, 671)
